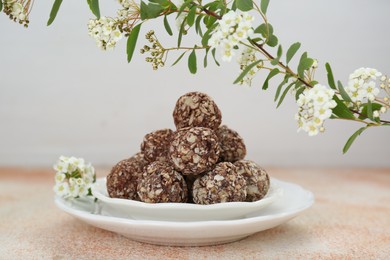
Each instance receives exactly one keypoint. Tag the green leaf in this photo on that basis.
(262, 29)
(198, 27)
(352, 139)
(285, 93)
(150, 10)
(343, 93)
(1, 5)
(215, 59)
(331, 81)
(132, 41)
(210, 21)
(369, 110)
(164, 3)
(364, 112)
(305, 63)
(191, 16)
(278, 56)
(264, 6)
(234, 6)
(244, 5)
(192, 62)
(167, 26)
(206, 37)
(54, 11)
(179, 38)
(272, 73)
(299, 91)
(285, 80)
(292, 51)
(245, 71)
(94, 6)
(186, 4)
(205, 57)
(272, 41)
(341, 110)
(178, 59)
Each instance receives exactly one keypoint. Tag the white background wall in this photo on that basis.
(59, 94)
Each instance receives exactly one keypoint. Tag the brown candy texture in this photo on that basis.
(257, 179)
(231, 144)
(194, 150)
(223, 184)
(196, 109)
(123, 178)
(161, 183)
(155, 145)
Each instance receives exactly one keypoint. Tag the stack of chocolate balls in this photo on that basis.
(201, 162)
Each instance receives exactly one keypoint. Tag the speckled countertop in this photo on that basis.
(350, 219)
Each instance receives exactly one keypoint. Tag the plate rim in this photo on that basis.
(193, 224)
(278, 192)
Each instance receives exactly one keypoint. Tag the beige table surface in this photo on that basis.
(349, 220)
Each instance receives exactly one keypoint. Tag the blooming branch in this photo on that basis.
(239, 30)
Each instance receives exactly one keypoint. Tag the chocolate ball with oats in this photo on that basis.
(194, 150)
(155, 145)
(231, 144)
(123, 178)
(222, 184)
(257, 179)
(196, 109)
(160, 183)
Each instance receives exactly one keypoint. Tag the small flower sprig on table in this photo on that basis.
(240, 30)
(73, 178)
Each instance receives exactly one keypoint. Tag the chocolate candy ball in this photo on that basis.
(257, 179)
(196, 109)
(161, 183)
(123, 178)
(223, 184)
(194, 150)
(155, 145)
(231, 144)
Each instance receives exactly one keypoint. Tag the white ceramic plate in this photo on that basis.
(179, 211)
(294, 200)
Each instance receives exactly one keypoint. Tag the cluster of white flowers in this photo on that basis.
(73, 177)
(232, 29)
(105, 31)
(16, 10)
(315, 105)
(126, 3)
(362, 84)
(246, 57)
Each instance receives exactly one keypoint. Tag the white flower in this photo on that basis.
(73, 177)
(246, 57)
(105, 31)
(60, 177)
(125, 3)
(315, 106)
(232, 29)
(362, 86)
(375, 113)
(62, 189)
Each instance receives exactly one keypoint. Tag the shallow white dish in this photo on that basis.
(200, 233)
(179, 211)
